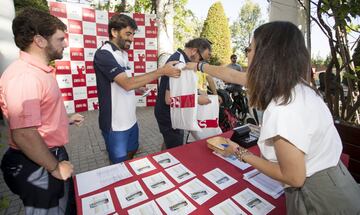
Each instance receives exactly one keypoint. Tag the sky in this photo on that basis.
(200, 8)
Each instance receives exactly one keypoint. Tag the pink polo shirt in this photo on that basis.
(30, 97)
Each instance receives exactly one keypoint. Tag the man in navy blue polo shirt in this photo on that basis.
(115, 85)
(196, 50)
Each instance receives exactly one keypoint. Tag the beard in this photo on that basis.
(123, 44)
(53, 54)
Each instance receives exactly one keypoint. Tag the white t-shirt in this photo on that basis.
(305, 122)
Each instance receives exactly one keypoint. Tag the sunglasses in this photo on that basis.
(247, 50)
(201, 57)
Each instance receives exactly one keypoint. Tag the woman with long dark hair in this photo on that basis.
(299, 143)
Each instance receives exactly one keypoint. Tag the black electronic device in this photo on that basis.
(244, 136)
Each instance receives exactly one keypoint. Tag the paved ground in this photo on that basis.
(87, 150)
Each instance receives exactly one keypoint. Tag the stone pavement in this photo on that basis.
(87, 149)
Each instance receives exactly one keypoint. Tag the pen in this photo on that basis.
(224, 145)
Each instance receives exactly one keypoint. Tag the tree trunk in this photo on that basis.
(165, 22)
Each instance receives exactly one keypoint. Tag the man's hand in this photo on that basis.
(63, 170)
(170, 70)
(203, 100)
(77, 119)
(191, 66)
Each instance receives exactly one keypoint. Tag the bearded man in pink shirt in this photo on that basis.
(36, 165)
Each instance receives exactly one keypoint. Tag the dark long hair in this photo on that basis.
(280, 62)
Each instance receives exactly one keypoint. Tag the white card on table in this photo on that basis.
(101, 177)
(100, 203)
(234, 161)
(220, 178)
(175, 203)
(130, 194)
(158, 183)
(227, 207)
(253, 202)
(179, 173)
(142, 166)
(166, 159)
(198, 191)
(149, 208)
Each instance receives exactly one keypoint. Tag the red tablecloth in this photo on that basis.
(199, 159)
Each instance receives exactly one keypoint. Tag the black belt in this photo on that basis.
(56, 150)
(53, 150)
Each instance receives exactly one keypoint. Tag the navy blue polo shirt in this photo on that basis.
(116, 106)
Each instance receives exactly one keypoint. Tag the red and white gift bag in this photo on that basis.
(208, 119)
(183, 105)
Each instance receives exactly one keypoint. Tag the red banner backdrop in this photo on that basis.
(87, 31)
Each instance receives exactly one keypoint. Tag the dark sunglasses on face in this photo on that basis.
(247, 50)
(201, 57)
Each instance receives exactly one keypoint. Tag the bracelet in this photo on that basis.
(56, 166)
(241, 152)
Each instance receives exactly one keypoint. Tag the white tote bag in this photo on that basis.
(183, 95)
(208, 119)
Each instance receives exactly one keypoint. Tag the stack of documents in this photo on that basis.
(264, 183)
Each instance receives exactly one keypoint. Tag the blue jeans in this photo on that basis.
(119, 143)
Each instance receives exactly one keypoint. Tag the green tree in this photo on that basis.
(337, 19)
(216, 29)
(39, 4)
(186, 24)
(248, 19)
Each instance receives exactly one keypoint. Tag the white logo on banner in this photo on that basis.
(150, 18)
(76, 40)
(131, 65)
(139, 55)
(93, 104)
(74, 12)
(89, 54)
(90, 80)
(69, 106)
(140, 33)
(89, 28)
(151, 66)
(64, 81)
(100, 41)
(150, 44)
(80, 93)
(101, 17)
(141, 101)
(77, 67)
(66, 54)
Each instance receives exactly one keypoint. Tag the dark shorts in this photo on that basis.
(40, 192)
(120, 143)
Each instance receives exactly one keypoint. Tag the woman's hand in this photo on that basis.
(231, 148)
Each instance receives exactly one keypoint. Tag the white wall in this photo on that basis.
(8, 50)
(289, 10)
